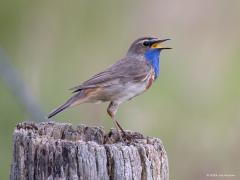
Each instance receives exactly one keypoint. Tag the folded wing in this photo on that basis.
(123, 71)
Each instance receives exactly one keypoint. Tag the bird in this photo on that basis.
(122, 81)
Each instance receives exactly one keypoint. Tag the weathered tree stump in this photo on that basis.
(59, 151)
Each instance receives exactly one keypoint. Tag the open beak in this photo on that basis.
(157, 44)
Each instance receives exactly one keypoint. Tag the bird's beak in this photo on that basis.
(157, 44)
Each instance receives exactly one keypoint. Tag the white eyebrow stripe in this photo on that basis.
(147, 39)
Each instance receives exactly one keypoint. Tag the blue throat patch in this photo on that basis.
(152, 56)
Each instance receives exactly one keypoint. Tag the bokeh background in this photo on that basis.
(194, 106)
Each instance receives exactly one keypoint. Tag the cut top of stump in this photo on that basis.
(52, 150)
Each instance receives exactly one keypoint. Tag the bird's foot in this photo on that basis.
(127, 137)
(113, 136)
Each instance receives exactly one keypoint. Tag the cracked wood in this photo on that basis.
(60, 151)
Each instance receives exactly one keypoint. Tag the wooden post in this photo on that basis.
(53, 150)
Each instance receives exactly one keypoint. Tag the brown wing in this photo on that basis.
(124, 70)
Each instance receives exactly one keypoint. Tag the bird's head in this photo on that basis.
(146, 44)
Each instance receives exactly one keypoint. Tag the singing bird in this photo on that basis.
(127, 78)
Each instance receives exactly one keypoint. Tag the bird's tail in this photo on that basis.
(74, 100)
(58, 110)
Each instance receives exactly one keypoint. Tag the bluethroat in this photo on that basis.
(127, 78)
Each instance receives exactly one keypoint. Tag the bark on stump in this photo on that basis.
(60, 151)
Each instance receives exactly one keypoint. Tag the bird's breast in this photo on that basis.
(132, 89)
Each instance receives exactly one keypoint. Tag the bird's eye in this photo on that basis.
(146, 43)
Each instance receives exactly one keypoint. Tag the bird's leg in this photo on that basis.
(120, 128)
(115, 104)
(112, 109)
(126, 136)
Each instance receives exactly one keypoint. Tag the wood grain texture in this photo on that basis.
(60, 151)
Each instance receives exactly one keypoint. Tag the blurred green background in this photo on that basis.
(194, 106)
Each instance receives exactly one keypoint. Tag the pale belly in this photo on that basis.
(121, 92)
(129, 91)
